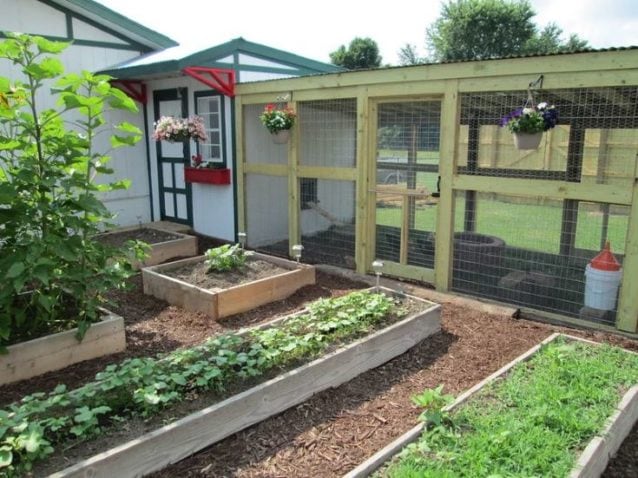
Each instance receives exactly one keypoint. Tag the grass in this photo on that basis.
(529, 226)
(532, 423)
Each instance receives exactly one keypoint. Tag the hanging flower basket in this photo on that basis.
(527, 140)
(278, 122)
(173, 129)
(527, 124)
(281, 137)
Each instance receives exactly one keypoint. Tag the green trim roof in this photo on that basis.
(175, 59)
(118, 22)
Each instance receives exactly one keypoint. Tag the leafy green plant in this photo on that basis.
(226, 258)
(433, 400)
(50, 263)
(532, 422)
(142, 386)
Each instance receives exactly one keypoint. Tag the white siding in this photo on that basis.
(246, 76)
(253, 61)
(84, 31)
(31, 16)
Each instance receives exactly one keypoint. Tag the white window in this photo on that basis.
(210, 109)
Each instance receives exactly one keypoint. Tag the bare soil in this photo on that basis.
(337, 429)
(145, 234)
(197, 274)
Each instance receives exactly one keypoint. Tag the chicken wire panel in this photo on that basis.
(328, 133)
(595, 140)
(389, 217)
(532, 252)
(407, 142)
(327, 221)
(267, 213)
(259, 146)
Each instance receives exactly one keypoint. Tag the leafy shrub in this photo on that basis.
(50, 263)
(226, 258)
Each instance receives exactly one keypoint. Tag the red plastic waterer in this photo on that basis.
(602, 278)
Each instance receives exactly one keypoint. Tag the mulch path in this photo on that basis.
(337, 429)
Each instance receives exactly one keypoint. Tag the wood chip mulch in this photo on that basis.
(335, 430)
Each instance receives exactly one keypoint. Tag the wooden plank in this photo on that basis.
(184, 437)
(547, 188)
(371, 197)
(53, 352)
(407, 271)
(267, 169)
(444, 239)
(365, 164)
(218, 303)
(627, 315)
(264, 291)
(619, 424)
(294, 202)
(405, 229)
(240, 163)
(345, 174)
(595, 457)
(574, 66)
(183, 245)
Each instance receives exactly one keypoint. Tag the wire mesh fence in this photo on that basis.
(267, 213)
(328, 133)
(327, 221)
(513, 249)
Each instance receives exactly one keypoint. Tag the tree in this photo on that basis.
(408, 55)
(55, 272)
(483, 29)
(362, 53)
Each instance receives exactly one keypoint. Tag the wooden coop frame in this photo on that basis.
(447, 83)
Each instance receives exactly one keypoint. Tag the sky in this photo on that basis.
(314, 29)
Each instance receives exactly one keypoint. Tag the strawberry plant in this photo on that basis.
(226, 258)
(143, 386)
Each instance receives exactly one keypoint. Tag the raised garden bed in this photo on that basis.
(393, 336)
(56, 351)
(164, 245)
(590, 463)
(283, 278)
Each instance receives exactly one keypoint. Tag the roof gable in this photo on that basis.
(238, 53)
(99, 16)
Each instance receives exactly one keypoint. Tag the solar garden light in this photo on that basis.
(377, 266)
(296, 252)
(241, 237)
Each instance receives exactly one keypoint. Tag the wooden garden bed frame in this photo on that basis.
(183, 246)
(218, 303)
(56, 351)
(592, 461)
(188, 435)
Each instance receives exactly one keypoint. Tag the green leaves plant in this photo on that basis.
(226, 258)
(142, 386)
(50, 210)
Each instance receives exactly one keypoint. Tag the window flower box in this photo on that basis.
(206, 175)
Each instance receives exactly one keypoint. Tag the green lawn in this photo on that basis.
(535, 227)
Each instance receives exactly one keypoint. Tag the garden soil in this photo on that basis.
(337, 429)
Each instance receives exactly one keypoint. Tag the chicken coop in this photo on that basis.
(411, 166)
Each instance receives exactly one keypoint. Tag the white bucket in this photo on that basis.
(601, 288)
